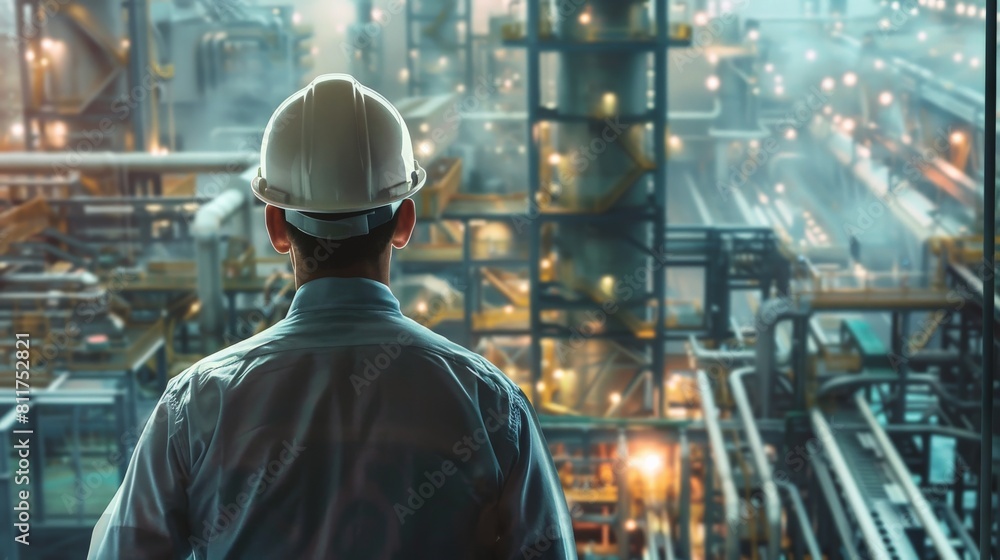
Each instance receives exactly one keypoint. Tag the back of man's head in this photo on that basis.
(333, 255)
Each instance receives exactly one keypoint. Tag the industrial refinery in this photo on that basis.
(736, 253)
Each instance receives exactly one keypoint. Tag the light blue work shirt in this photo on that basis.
(346, 430)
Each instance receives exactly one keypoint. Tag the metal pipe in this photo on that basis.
(730, 498)
(772, 502)
(206, 228)
(105, 162)
(800, 513)
(850, 488)
(933, 429)
(32, 180)
(847, 383)
(727, 356)
(920, 504)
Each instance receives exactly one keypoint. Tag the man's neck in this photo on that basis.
(377, 271)
(378, 276)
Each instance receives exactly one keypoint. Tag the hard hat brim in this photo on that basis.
(266, 193)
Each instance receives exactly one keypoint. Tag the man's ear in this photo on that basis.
(404, 225)
(277, 229)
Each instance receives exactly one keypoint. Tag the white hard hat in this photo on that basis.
(337, 147)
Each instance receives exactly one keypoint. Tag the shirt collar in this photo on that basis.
(343, 293)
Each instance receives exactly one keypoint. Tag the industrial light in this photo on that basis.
(17, 130)
(922, 36)
(508, 309)
(848, 125)
(649, 463)
(712, 83)
(827, 110)
(763, 198)
(29, 55)
(609, 102)
(884, 24)
(769, 68)
(790, 134)
(827, 84)
(700, 19)
(585, 18)
(957, 57)
(960, 9)
(675, 142)
(885, 98)
(525, 285)
(630, 525)
(404, 74)
(895, 5)
(425, 127)
(713, 58)
(557, 374)
(615, 398)
(443, 61)
(753, 34)
(540, 386)
(426, 147)
(421, 306)
(779, 89)
(810, 55)
(974, 62)
(296, 18)
(607, 282)
(850, 79)
(779, 188)
(957, 138)
(879, 64)
(546, 263)
(554, 158)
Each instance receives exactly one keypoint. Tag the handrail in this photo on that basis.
(920, 505)
(800, 512)
(772, 502)
(730, 498)
(852, 493)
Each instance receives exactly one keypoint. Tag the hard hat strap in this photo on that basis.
(343, 228)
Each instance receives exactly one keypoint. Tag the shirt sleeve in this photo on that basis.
(147, 516)
(534, 518)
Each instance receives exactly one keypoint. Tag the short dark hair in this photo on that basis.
(334, 254)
